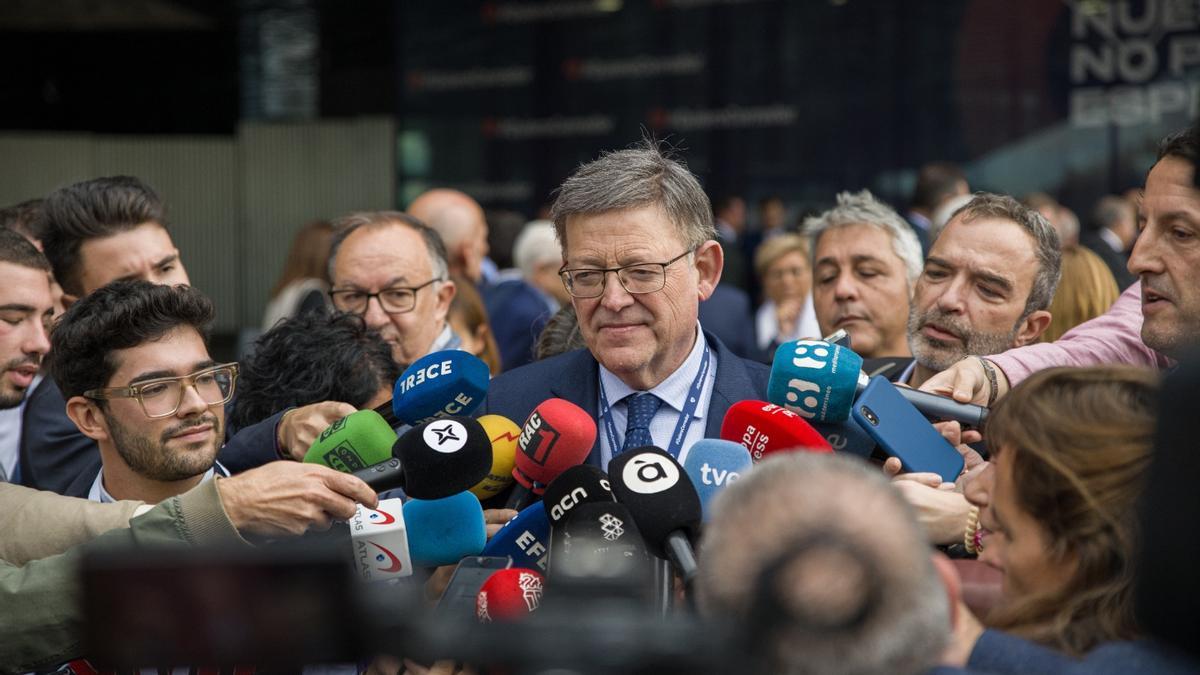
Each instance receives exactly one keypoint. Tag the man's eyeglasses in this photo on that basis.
(161, 397)
(396, 300)
(586, 282)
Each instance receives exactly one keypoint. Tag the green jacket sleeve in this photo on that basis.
(36, 524)
(40, 618)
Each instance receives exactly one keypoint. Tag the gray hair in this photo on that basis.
(536, 245)
(346, 225)
(1048, 249)
(862, 208)
(905, 617)
(640, 176)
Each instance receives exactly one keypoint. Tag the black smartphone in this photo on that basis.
(468, 578)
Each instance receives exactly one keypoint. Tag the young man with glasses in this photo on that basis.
(132, 362)
(390, 269)
(639, 254)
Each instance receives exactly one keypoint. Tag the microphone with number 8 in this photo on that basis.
(819, 381)
(557, 435)
(663, 502)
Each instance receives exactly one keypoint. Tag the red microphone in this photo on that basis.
(765, 428)
(557, 436)
(508, 595)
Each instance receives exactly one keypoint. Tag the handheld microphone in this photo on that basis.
(444, 531)
(577, 485)
(433, 460)
(442, 384)
(764, 428)
(379, 541)
(598, 539)
(557, 435)
(357, 441)
(525, 539)
(509, 595)
(663, 502)
(503, 434)
(819, 381)
(713, 464)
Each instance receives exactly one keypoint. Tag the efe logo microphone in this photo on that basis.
(446, 437)
(650, 473)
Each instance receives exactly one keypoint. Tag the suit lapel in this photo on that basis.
(578, 382)
(733, 384)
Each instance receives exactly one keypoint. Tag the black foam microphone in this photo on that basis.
(663, 502)
(600, 540)
(580, 484)
(433, 460)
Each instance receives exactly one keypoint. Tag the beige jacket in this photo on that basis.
(36, 524)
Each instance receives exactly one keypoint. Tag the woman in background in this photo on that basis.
(1086, 291)
(783, 269)
(469, 320)
(303, 285)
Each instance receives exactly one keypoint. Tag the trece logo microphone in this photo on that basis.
(611, 527)
(445, 437)
(650, 473)
(537, 439)
(343, 457)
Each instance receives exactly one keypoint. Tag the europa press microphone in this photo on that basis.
(712, 464)
(765, 428)
(557, 435)
(819, 381)
(442, 384)
(434, 459)
(663, 502)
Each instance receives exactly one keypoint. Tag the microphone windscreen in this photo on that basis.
(443, 457)
(713, 464)
(525, 539)
(557, 435)
(597, 539)
(814, 379)
(846, 437)
(508, 595)
(442, 384)
(444, 531)
(765, 428)
(353, 443)
(658, 494)
(577, 485)
(503, 434)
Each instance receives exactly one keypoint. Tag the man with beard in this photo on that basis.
(132, 362)
(987, 282)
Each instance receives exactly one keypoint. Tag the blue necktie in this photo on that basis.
(641, 409)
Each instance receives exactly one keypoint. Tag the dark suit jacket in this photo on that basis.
(575, 377)
(1114, 260)
(56, 457)
(997, 652)
(727, 315)
(517, 314)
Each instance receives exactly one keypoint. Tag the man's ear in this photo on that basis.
(1032, 327)
(950, 582)
(86, 415)
(710, 260)
(445, 295)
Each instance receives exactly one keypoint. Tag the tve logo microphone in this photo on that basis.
(712, 464)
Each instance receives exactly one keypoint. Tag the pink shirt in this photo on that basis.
(1113, 337)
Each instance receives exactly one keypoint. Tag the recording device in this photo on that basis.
(469, 576)
(765, 428)
(525, 539)
(712, 464)
(509, 595)
(379, 541)
(447, 383)
(444, 531)
(903, 432)
(434, 459)
(663, 503)
(557, 435)
(839, 337)
(819, 381)
(503, 434)
(356, 441)
(577, 485)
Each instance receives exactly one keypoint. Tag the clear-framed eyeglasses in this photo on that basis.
(162, 396)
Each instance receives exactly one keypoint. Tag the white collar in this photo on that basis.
(98, 493)
(674, 390)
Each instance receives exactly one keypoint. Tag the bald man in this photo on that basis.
(463, 228)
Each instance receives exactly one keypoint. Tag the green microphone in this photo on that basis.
(353, 443)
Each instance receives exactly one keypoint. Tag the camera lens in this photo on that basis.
(870, 415)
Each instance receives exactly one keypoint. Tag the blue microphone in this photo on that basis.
(442, 384)
(526, 539)
(713, 464)
(444, 531)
